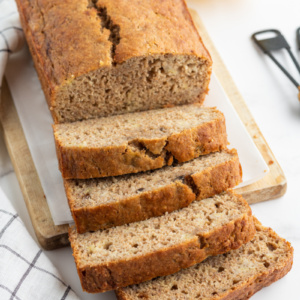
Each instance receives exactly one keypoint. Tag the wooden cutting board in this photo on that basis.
(273, 185)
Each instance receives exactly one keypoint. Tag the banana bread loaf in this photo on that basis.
(235, 275)
(130, 254)
(97, 58)
(136, 142)
(108, 202)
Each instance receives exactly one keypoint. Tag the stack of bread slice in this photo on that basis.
(146, 168)
(165, 209)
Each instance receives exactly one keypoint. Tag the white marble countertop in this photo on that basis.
(271, 98)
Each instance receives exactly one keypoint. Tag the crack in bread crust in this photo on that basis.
(107, 23)
(139, 154)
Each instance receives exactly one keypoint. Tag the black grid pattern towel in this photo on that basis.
(25, 271)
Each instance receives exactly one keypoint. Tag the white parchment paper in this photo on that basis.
(36, 122)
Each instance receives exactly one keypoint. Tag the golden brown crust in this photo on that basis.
(141, 154)
(217, 180)
(173, 31)
(201, 185)
(49, 32)
(121, 295)
(131, 209)
(114, 275)
(60, 56)
(252, 284)
(263, 279)
(37, 55)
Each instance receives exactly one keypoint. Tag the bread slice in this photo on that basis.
(140, 251)
(97, 58)
(108, 202)
(234, 275)
(138, 142)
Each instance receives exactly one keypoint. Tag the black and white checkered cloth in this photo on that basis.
(25, 271)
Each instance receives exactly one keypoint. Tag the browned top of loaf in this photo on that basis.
(73, 36)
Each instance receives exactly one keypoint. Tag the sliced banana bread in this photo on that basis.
(159, 246)
(97, 58)
(138, 142)
(234, 275)
(108, 202)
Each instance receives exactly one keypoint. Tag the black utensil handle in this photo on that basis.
(278, 42)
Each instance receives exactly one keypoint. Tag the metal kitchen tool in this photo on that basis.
(278, 43)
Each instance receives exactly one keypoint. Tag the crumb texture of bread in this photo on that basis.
(117, 62)
(235, 275)
(130, 254)
(107, 202)
(137, 142)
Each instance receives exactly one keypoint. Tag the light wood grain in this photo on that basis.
(49, 236)
(273, 185)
